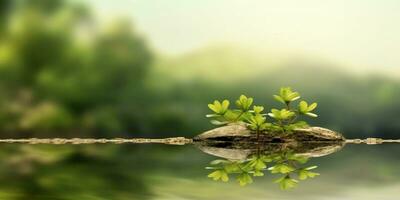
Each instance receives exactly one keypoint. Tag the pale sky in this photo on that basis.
(364, 34)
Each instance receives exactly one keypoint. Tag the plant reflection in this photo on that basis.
(289, 165)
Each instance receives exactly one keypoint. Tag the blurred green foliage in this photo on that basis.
(55, 80)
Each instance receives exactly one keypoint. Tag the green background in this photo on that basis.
(78, 69)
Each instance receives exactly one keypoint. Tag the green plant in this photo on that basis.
(284, 120)
(244, 169)
(224, 115)
(288, 165)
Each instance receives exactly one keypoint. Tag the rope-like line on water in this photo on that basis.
(171, 141)
(371, 141)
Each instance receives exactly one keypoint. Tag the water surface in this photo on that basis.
(156, 171)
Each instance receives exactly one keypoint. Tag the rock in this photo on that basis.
(239, 132)
(237, 142)
(232, 130)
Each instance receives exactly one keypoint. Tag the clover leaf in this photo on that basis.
(257, 163)
(306, 109)
(244, 103)
(282, 168)
(218, 107)
(257, 122)
(219, 175)
(306, 173)
(258, 109)
(244, 179)
(258, 173)
(286, 95)
(283, 114)
(286, 182)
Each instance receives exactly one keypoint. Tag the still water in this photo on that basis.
(167, 172)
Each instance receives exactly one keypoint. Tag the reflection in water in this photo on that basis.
(286, 159)
(286, 163)
(46, 170)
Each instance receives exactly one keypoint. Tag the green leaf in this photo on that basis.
(264, 126)
(246, 116)
(300, 159)
(225, 105)
(274, 113)
(266, 158)
(215, 175)
(232, 167)
(219, 175)
(218, 161)
(258, 173)
(286, 182)
(281, 168)
(259, 119)
(304, 174)
(224, 177)
(312, 107)
(249, 103)
(287, 95)
(242, 98)
(296, 125)
(310, 168)
(293, 96)
(311, 114)
(232, 115)
(244, 103)
(300, 124)
(244, 179)
(257, 122)
(258, 109)
(253, 127)
(279, 98)
(281, 114)
(257, 163)
(212, 115)
(312, 174)
(303, 107)
(218, 107)
(218, 123)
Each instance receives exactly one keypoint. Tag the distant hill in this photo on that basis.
(217, 64)
(357, 105)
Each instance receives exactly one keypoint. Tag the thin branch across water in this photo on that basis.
(371, 141)
(171, 141)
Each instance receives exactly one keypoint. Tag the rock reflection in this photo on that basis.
(246, 161)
